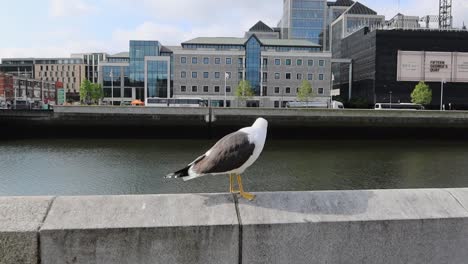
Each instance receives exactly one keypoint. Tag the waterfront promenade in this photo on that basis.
(368, 226)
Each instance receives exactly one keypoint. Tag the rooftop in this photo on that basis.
(242, 41)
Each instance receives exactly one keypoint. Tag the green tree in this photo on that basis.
(85, 91)
(422, 94)
(244, 90)
(305, 91)
(96, 93)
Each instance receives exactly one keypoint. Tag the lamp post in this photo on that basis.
(390, 99)
(112, 86)
(442, 94)
(226, 76)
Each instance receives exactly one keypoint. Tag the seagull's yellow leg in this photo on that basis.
(246, 195)
(231, 184)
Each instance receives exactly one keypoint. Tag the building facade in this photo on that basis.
(92, 61)
(30, 93)
(385, 59)
(69, 71)
(304, 19)
(18, 66)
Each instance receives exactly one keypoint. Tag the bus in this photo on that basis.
(398, 106)
(176, 102)
(324, 105)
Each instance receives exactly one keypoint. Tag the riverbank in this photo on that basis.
(368, 226)
(145, 122)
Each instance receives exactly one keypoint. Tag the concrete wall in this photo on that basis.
(374, 226)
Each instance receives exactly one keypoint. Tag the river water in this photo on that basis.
(105, 167)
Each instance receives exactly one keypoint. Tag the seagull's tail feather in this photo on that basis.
(179, 174)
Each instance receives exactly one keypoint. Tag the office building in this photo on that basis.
(27, 92)
(18, 67)
(91, 60)
(304, 19)
(69, 71)
(389, 62)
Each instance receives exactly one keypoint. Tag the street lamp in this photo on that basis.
(226, 76)
(442, 93)
(390, 99)
(112, 86)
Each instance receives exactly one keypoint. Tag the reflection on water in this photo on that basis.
(94, 167)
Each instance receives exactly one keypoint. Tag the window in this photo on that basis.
(240, 61)
(299, 76)
(228, 61)
(206, 75)
(276, 90)
(205, 89)
(216, 89)
(183, 74)
(194, 89)
(320, 90)
(321, 63)
(265, 62)
(240, 75)
(228, 89)
(42, 68)
(299, 62)
(217, 75)
(288, 76)
(310, 63)
(288, 90)
(206, 60)
(277, 76)
(47, 68)
(228, 75)
(217, 61)
(276, 104)
(194, 60)
(183, 88)
(52, 68)
(321, 77)
(183, 60)
(288, 62)
(265, 76)
(194, 75)
(310, 77)
(277, 62)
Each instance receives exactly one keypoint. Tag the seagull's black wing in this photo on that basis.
(228, 154)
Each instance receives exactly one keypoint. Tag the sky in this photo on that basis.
(57, 28)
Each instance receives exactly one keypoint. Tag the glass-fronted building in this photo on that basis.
(144, 72)
(304, 19)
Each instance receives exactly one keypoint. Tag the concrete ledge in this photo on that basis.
(141, 229)
(385, 226)
(373, 226)
(20, 220)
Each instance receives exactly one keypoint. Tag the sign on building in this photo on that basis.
(60, 96)
(432, 66)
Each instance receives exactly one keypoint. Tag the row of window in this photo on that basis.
(63, 80)
(299, 76)
(288, 76)
(217, 89)
(205, 88)
(240, 61)
(51, 74)
(288, 90)
(299, 62)
(52, 68)
(183, 60)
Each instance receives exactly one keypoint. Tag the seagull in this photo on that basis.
(231, 155)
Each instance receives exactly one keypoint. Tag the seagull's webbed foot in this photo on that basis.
(245, 195)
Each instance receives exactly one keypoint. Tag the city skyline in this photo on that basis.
(57, 28)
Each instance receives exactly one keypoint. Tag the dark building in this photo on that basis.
(21, 67)
(375, 56)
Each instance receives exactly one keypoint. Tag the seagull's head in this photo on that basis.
(260, 123)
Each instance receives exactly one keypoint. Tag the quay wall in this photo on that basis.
(147, 122)
(363, 226)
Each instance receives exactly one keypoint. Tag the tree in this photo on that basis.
(244, 90)
(96, 92)
(85, 91)
(422, 94)
(305, 91)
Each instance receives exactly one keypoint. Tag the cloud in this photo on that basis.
(67, 8)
